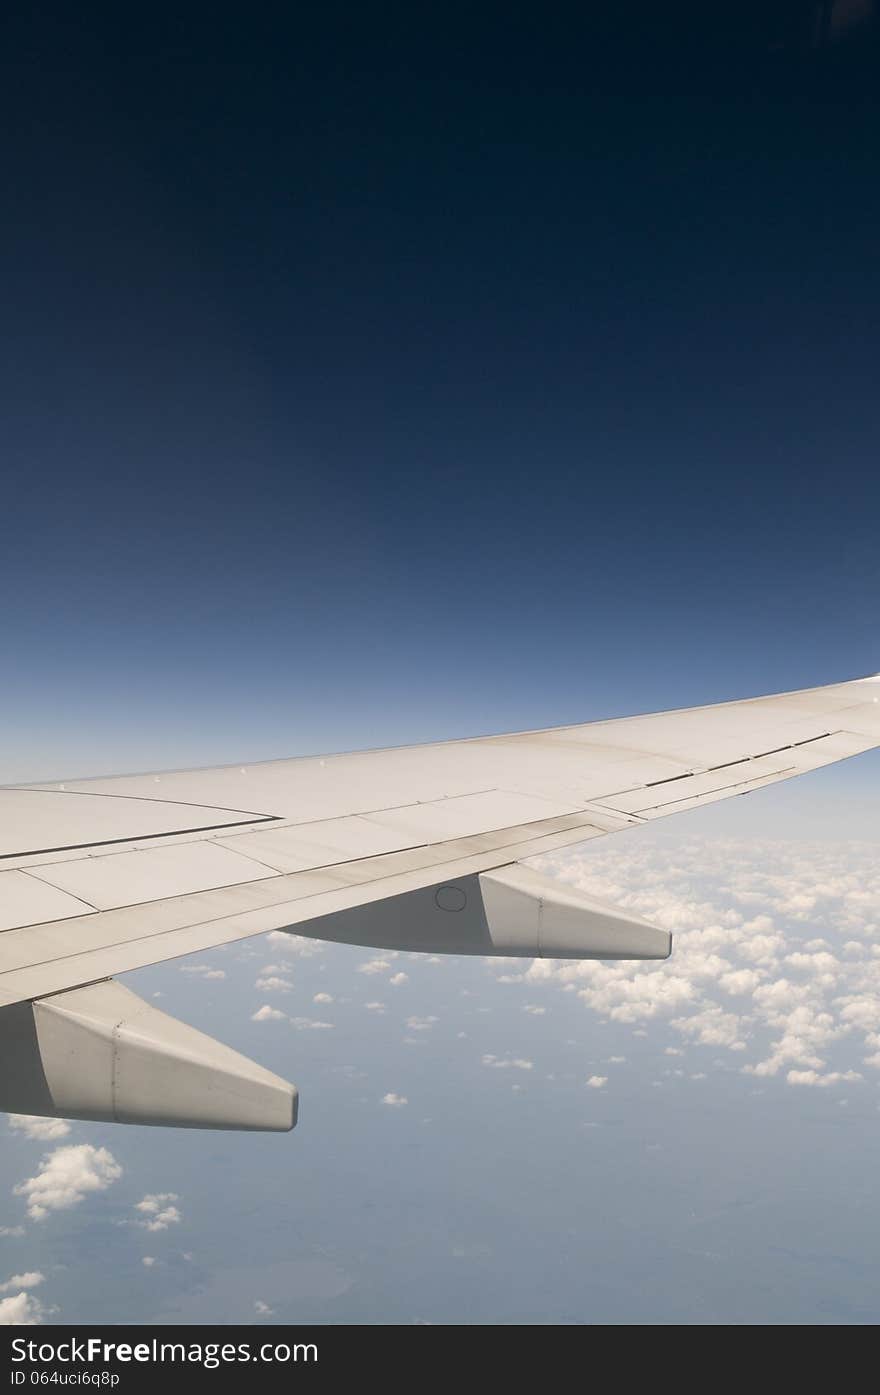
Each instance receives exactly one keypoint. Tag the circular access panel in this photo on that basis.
(450, 898)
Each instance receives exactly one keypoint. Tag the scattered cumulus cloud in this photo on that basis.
(395, 1101)
(158, 1211)
(32, 1279)
(21, 1310)
(66, 1176)
(268, 1014)
(294, 945)
(507, 1062)
(812, 1077)
(776, 954)
(299, 1024)
(375, 966)
(33, 1126)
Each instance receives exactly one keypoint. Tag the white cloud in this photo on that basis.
(740, 982)
(66, 1177)
(374, 966)
(862, 1011)
(712, 1027)
(159, 1211)
(395, 1101)
(507, 1063)
(535, 1011)
(262, 1309)
(273, 984)
(323, 998)
(22, 1310)
(374, 1007)
(33, 1126)
(596, 1082)
(148, 1261)
(309, 1024)
(268, 1014)
(32, 1279)
(298, 945)
(205, 971)
(397, 979)
(774, 956)
(421, 1024)
(812, 1077)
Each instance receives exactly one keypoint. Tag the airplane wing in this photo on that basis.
(414, 848)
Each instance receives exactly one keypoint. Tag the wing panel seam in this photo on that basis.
(141, 837)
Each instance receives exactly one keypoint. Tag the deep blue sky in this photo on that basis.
(391, 376)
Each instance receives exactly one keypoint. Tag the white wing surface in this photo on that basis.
(414, 848)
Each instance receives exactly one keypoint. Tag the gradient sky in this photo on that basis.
(368, 383)
(372, 380)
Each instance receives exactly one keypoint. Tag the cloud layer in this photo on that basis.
(776, 954)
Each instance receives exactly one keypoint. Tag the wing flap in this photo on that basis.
(152, 874)
(26, 901)
(297, 847)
